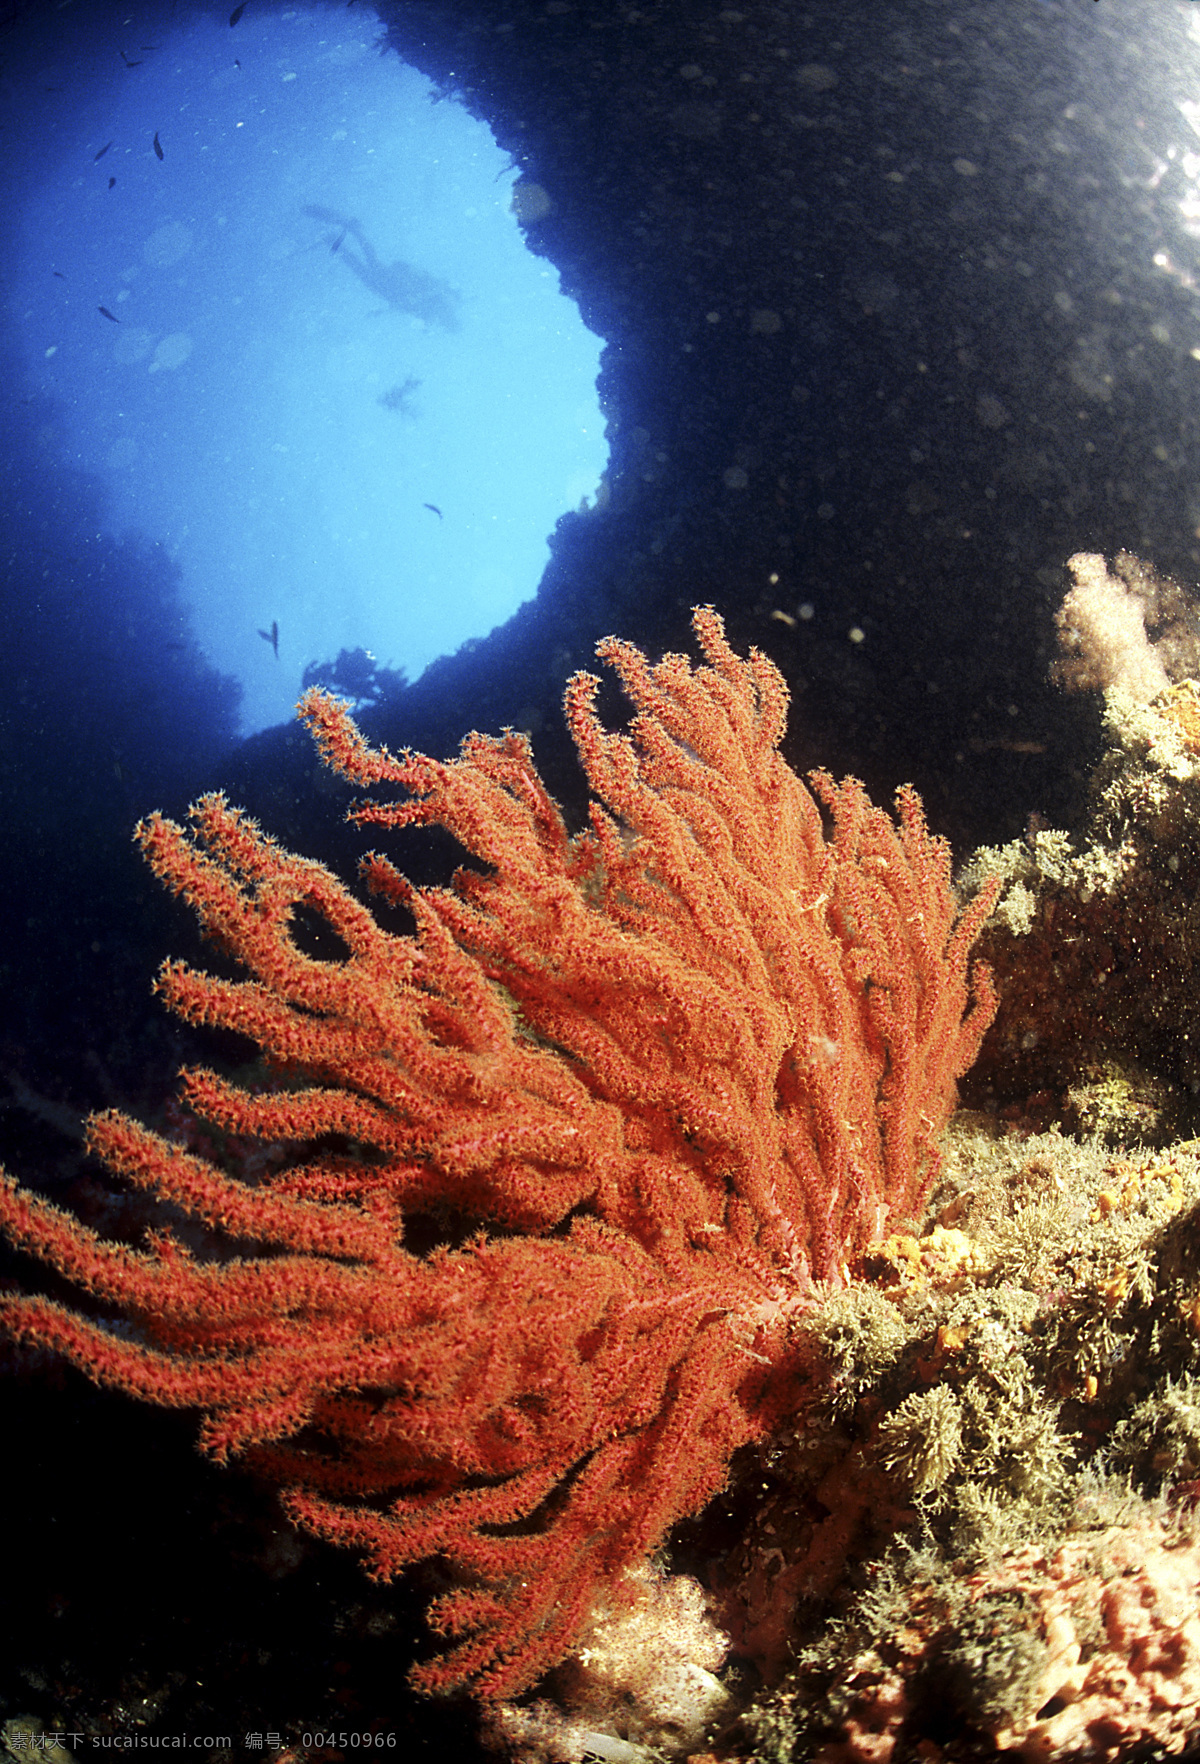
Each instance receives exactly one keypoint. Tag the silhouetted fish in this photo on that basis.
(60, 275)
(103, 150)
(235, 15)
(339, 239)
(271, 636)
(157, 146)
(400, 397)
(109, 315)
(111, 182)
(431, 506)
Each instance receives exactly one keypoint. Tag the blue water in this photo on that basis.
(335, 385)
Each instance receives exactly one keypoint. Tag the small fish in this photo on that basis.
(431, 506)
(236, 62)
(339, 239)
(126, 59)
(272, 636)
(103, 151)
(157, 146)
(109, 315)
(60, 275)
(235, 15)
(111, 182)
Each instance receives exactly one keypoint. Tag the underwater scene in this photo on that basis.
(600, 1148)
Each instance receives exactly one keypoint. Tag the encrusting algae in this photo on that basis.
(1096, 939)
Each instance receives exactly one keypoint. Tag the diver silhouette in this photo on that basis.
(401, 285)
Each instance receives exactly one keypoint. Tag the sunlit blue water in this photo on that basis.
(333, 383)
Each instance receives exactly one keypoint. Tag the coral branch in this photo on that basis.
(556, 1171)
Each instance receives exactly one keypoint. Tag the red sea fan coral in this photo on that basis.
(657, 1080)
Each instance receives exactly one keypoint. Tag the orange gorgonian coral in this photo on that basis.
(654, 1083)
